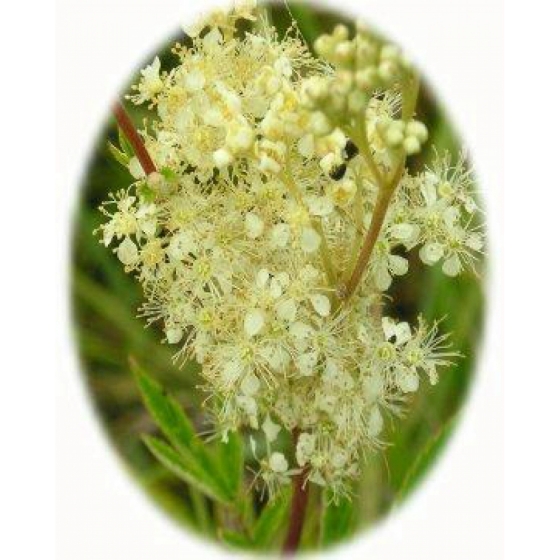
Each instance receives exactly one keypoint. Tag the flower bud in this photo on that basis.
(357, 101)
(366, 79)
(222, 158)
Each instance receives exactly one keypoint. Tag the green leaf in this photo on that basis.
(338, 521)
(167, 413)
(191, 473)
(270, 520)
(173, 422)
(235, 540)
(121, 157)
(125, 145)
(230, 458)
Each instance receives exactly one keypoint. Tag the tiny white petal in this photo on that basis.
(382, 277)
(222, 157)
(304, 449)
(250, 385)
(135, 168)
(320, 205)
(254, 322)
(232, 371)
(474, 242)
(249, 406)
(373, 387)
(262, 277)
(278, 462)
(307, 362)
(451, 215)
(402, 231)
(402, 333)
(280, 235)
(310, 240)
(287, 310)
(254, 226)
(173, 335)
(470, 204)
(194, 81)
(300, 330)
(388, 326)
(108, 234)
(321, 304)
(270, 429)
(429, 193)
(284, 279)
(306, 146)
(375, 424)
(452, 265)
(398, 265)
(275, 288)
(409, 382)
(431, 253)
(127, 252)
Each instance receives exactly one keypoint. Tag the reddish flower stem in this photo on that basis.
(300, 499)
(127, 126)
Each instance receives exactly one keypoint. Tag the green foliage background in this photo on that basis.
(105, 300)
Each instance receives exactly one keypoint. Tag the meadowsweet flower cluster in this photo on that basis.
(273, 164)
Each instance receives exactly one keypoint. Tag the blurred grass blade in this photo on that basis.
(189, 472)
(230, 459)
(235, 540)
(338, 521)
(271, 519)
(306, 21)
(424, 460)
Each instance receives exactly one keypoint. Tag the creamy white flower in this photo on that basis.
(245, 238)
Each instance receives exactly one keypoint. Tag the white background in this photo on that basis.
(459, 511)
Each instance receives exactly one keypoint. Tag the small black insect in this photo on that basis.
(350, 150)
(337, 172)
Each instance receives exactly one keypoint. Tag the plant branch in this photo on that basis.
(127, 126)
(300, 498)
(386, 190)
